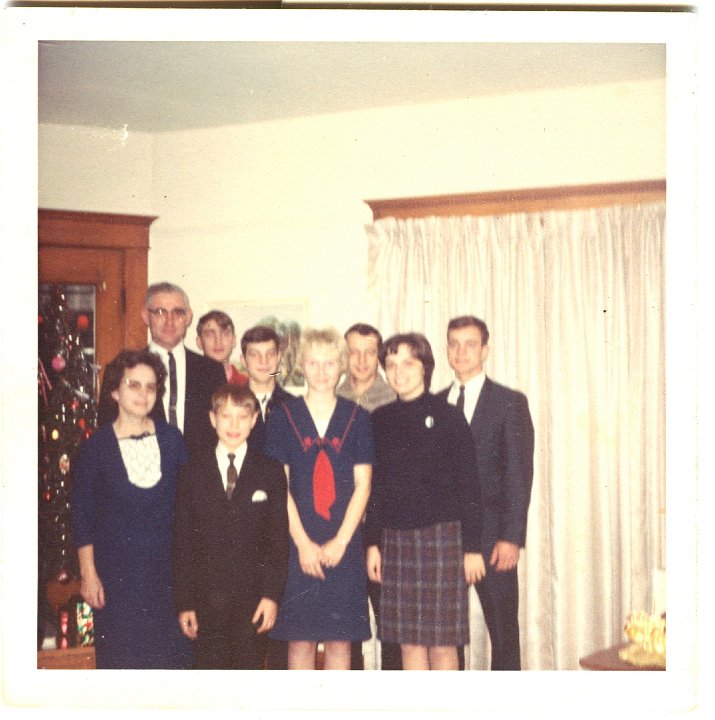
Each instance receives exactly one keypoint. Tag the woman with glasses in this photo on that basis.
(123, 511)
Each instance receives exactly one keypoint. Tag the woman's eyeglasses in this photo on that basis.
(137, 385)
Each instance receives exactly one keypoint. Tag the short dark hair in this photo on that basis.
(367, 331)
(470, 321)
(222, 319)
(164, 287)
(419, 347)
(126, 360)
(259, 333)
(240, 395)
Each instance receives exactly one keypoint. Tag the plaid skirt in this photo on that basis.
(423, 598)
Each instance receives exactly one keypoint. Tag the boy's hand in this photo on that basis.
(310, 556)
(268, 609)
(188, 623)
(333, 552)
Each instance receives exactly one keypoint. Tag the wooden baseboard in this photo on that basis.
(81, 658)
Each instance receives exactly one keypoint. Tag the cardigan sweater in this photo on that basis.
(425, 470)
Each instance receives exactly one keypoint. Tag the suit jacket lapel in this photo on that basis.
(481, 407)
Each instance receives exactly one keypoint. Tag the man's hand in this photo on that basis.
(189, 625)
(505, 555)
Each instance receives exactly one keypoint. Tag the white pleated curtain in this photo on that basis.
(574, 304)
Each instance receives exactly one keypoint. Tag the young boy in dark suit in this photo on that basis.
(230, 540)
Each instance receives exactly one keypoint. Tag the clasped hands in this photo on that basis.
(313, 557)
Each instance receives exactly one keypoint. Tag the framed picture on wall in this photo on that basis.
(287, 317)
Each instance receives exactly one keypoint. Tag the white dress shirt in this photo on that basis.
(263, 400)
(472, 389)
(223, 461)
(179, 353)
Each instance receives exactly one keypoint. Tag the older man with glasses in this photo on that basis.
(191, 378)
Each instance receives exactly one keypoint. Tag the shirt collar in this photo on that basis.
(222, 454)
(177, 351)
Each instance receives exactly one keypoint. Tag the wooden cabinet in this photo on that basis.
(109, 252)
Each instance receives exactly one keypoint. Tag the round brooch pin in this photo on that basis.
(429, 421)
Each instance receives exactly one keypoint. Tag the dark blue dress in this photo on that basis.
(335, 608)
(131, 531)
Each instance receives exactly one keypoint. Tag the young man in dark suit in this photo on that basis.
(230, 540)
(503, 436)
(261, 352)
(191, 378)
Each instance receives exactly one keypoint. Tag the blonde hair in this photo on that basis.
(327, 337)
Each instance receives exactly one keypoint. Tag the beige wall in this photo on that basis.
(250, 212)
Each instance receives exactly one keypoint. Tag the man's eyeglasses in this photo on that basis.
(163, 313)
(137, 385)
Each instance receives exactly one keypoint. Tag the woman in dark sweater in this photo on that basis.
(424, 515)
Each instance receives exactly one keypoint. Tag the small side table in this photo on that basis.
(608, 660)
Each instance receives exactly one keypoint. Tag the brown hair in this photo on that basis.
(419, 347)
(469, 321)
(222, 319)
(240, 395)
(128, 359)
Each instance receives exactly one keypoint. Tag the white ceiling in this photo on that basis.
(164, 85)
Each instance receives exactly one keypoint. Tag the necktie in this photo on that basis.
(460, 399)
(323, 485)
(172, 391)
(232, 475)
(263, 407)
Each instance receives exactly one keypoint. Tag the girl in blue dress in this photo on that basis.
(325, 444)
(123, 512)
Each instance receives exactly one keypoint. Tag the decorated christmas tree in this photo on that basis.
(67, 415)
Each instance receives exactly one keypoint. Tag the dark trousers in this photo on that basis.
(228, 644)
(277, 655)
(391, 652)
(499, 596)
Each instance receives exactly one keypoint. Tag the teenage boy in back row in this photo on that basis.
(230, 540)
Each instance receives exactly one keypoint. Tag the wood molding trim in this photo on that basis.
(567, 197)
(69, 228)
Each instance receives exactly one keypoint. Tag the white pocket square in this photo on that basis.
(259, 496)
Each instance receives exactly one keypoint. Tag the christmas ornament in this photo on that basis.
(64, 463)
(59, 363)
(82, 323)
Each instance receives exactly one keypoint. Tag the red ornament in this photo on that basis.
(87, 434)
(82, 322)
(81, 423)
(59, 363)
(40, 319)
(47, 496)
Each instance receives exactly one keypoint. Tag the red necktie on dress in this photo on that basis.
(323, 485)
